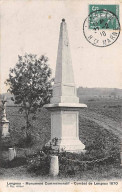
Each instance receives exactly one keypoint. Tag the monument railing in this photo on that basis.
(111, 157)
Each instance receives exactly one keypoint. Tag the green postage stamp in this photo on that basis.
(104, 16)
(102, 27)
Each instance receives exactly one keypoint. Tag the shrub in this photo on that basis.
(69, 163)
(6, 143)
(39, 163)
(25, 142)
(19, 161)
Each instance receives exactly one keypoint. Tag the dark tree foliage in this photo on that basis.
(31, 84)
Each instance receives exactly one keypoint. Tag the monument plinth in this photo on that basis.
(5, 125)
(64, 105)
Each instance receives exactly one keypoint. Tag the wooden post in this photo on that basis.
(54, 166)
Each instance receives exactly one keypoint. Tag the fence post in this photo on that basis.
(15, 153)
(120, 147)
(121, 151)
(121, 158)
(54, 166)
(11, 154)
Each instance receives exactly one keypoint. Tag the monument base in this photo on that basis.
(65, 127)
(72, 145)
(6, 135)
(5, 129)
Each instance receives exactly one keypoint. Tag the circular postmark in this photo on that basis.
(101, 28)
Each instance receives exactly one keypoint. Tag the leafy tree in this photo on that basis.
(30, 82)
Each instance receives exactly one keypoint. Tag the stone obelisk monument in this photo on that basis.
(64, 105)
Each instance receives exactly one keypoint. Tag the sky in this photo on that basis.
(32, 26)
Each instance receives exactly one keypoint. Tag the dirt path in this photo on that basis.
(103, 121)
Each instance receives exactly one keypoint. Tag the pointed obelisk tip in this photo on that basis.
(63, 20)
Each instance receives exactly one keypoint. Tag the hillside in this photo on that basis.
(99, 129)
(98, 93)
(99, 115)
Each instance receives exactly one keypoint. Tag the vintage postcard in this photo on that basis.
(60, 95)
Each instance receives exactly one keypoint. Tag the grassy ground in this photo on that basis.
(100, 131)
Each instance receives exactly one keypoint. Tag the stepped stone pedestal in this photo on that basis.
(64, 105)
